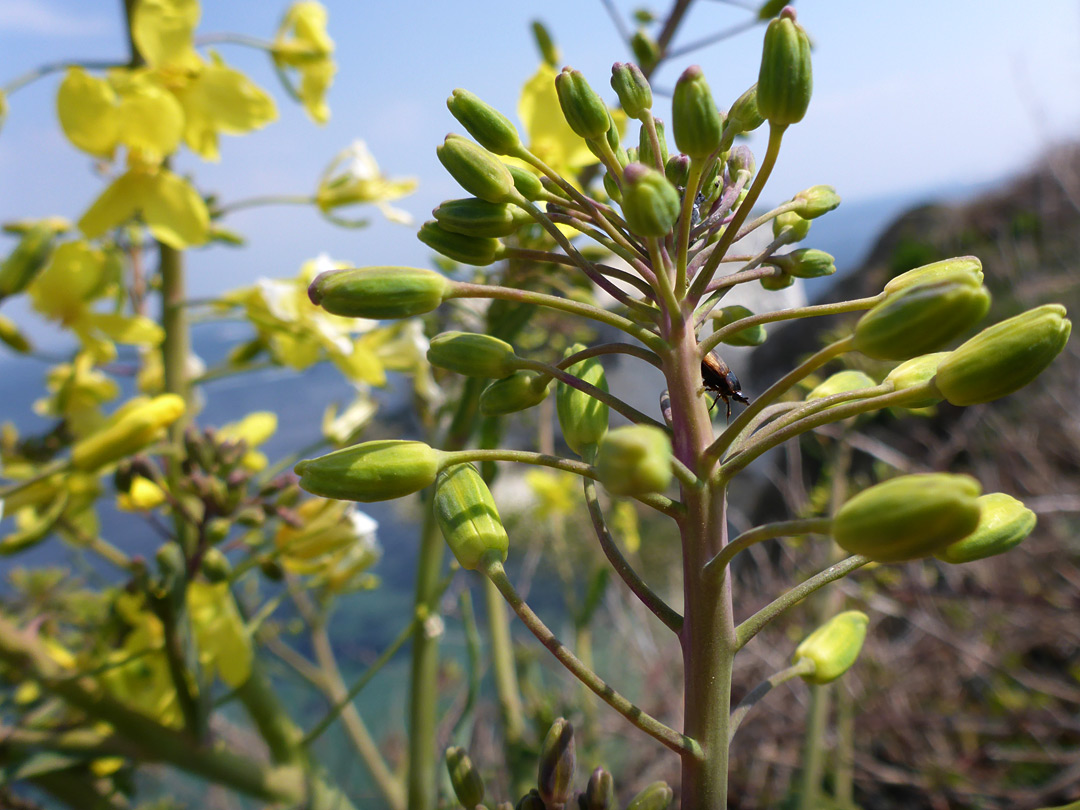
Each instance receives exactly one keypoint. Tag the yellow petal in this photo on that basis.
(142, 496)
(221, 99)
(69, 282)
(550, 137)
(306, 23)
(164, 30)
(315, 80)
(174, 211)
(117, 204)
(255, 428)
(131, 330)
(150, 119)
(88, 107)
(220, 632)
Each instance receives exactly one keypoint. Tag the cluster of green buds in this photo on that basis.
(665, 220)
(554, 782)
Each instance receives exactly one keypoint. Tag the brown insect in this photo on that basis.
(721, 380)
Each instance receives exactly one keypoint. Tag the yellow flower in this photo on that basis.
(143, 496)
(300, 334)
(164, 31)
(77, 391)
(624, 525)
(550, 137)
(129, 108)
(223, 639)
(303, 44)
(336, 541)
(360, 181)
(253, 430)
(170, 206)
(76, 275)
(556, 492)
(219, 99)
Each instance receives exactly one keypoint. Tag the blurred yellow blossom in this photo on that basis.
(253, 430)
(303, 45)
(353, 177)
(556, 493)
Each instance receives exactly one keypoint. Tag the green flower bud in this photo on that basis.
(696, 122)
(27, 535)
(379, 292)
(519, 391)
(531, 801)
(632, 88)
(555, 777)
(136, 425)
(791, 225)
(921, 318)
(612, 188)
(600, 792)
(815, 201)
(656, 796)
(527, 184)
(215, 565)
(475, 169)
(833, 647)
(479, 251)
(840, 383)
(548, 52)
(582, 108)
(583, 420)
(744, 115)
(650, 203)
(779, 281)
(12, 337)
(1004, 357)
(677, 170)
(958, 269)
(908, 517)
(27, 259)
(466, 780)
(475, 217)
(635, 459)
(751, 336)
(645, 152)
(473, 355)
(613, 141)
(785, 81)
(741, 161)
(915, 373)
(372, 471)
(1003, 523)
(491, 128)
(646, 50)
(806, 263)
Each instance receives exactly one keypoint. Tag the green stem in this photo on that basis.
(697, 168)
(714, 340)
(244, 40)
(787, 528)
(753, 625)
(836, 414)
(547, 256)
(704, 276)
(502, 659)
(613, 402)
(804, 666)
(263, 200)
(350, 694)
(655, 500)
(679, 743)
(813, 756)
(462, 289)
(41, 71)
(844, 781)
(664, 281)
(422, 779)
(716, 450)
(659, 608)
(49, 470)
(611, 348)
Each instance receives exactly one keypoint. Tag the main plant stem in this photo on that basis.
(708, 631)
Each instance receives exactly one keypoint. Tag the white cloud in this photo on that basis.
(41, 18)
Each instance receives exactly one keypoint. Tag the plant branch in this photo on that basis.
(679, 743)
(770, 531)
(805, 666)
(753, 625)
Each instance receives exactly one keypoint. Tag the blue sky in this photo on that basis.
(921, 94)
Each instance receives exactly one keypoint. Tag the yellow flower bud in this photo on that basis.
(833, 647)
(134, 427)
